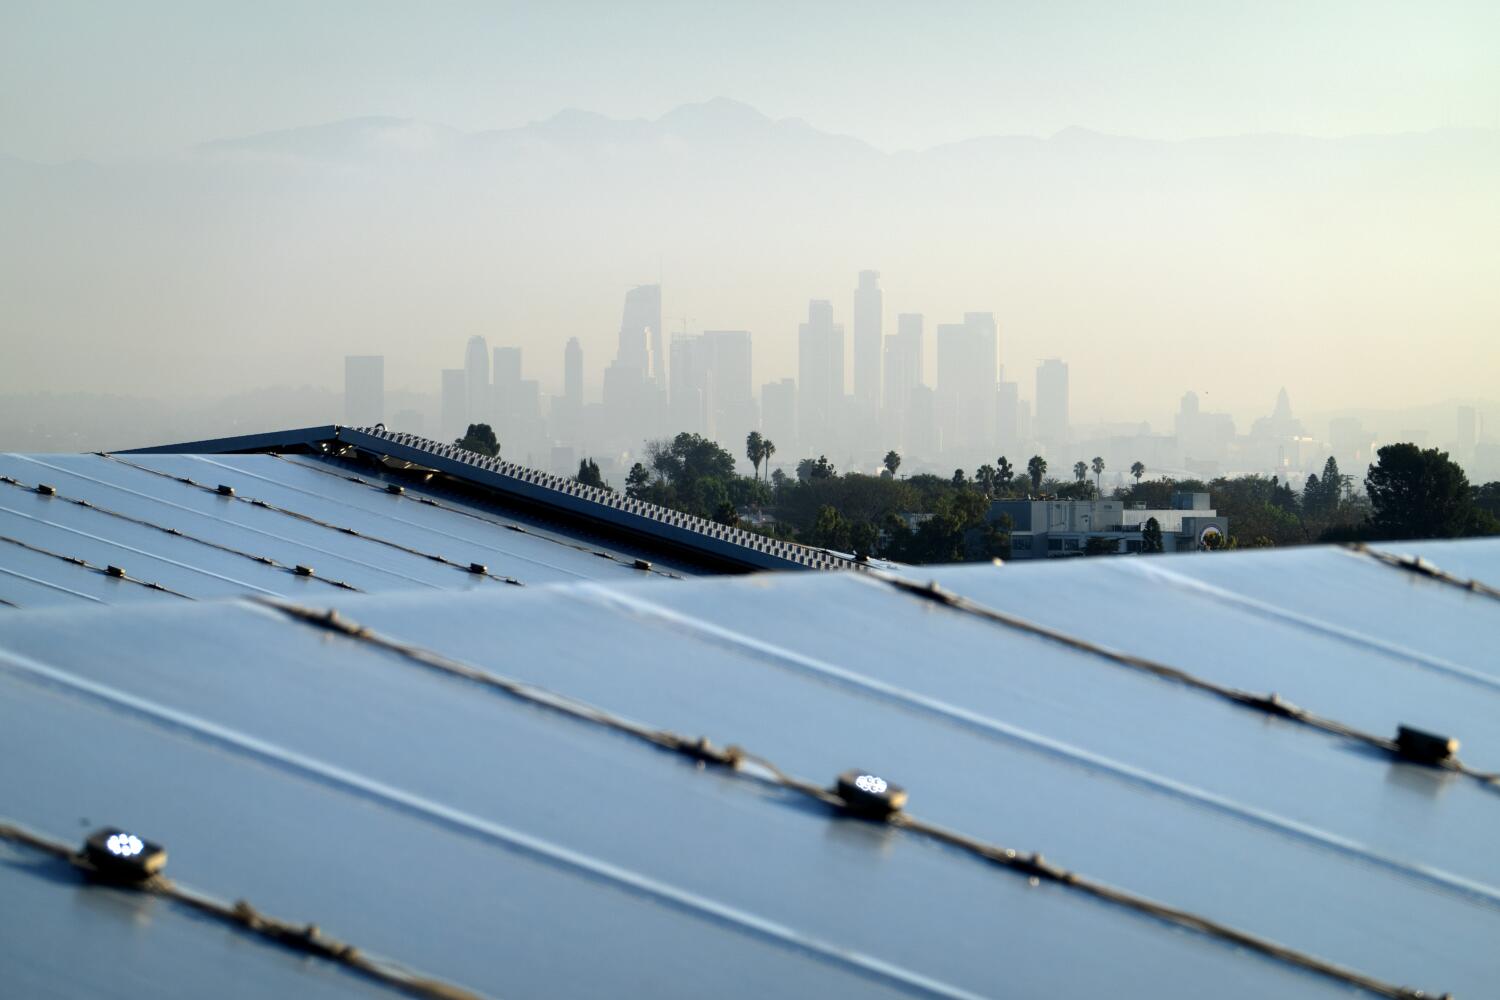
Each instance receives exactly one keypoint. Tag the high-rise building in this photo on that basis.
(1203, 438)
(1469, 429)
(729, 363)
(364, 390)
(689, 401)
(710, 382)
(573, 374)
(923, 438)
(1051, 425)
(964, 397)
(477, 375)
(507, 370)
(820, 375)
(509, 411)
(455, 405)
(903, 362)
(641, 336)
(1008, 416)
(567, 409)
(868, 307)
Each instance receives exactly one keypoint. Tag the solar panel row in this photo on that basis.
(519, 851)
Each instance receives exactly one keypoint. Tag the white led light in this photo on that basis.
(870, 783)
(124, 845)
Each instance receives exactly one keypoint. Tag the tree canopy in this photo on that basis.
(589, 475)
(1421, 493)
(480, 438)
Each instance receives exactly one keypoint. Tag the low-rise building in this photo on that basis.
(1048, 528)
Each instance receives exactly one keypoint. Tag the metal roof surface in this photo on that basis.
(729, 548)
(519, 850)
(136, 512)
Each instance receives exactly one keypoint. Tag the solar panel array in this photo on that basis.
(388, 784)
(204, 526)
(729, 547)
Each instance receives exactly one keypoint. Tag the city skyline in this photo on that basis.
(1198, 268)
(971, 411)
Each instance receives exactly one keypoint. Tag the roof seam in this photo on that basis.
(1271, 704)
(701, 749)
(452, 509)
(307, 938)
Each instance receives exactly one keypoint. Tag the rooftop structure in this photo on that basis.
(338, 510)
(1050, 528)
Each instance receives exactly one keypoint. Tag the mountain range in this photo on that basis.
(1339, 267)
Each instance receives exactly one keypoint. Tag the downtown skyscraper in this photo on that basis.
(641, 335)
(1051, 427)
(868, 308)
(965, 395)
(820, 376)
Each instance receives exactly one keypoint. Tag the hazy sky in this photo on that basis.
(110, 79)
(1361, 272)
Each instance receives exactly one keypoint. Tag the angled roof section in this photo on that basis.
(719, 547)
(410, 776)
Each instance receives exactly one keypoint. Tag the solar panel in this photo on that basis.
(518, 850)
(136, 512)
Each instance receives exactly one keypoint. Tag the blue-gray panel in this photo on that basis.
(20, 589)
(1329, 657)
(145, 553)
(540, 528)
(391, 542)
(1339, 585)
(64, 940)
(429, 887)
(199, 514)
(389, 804)
(1469, 558)
(994, 733)
(1269, 825)
(537, 555)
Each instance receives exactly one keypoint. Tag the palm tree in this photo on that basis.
(892, 462)
(1003, 472)
(767, 449)
(755, 450)
(1036, 469)
(1098, 466)
(985, 477)
(1080, 470)
(1137, 470)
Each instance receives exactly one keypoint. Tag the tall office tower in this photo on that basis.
(924, 440)
(964, 397)
(640, 334)
(364, 390)
(1051, 424)
(573, 374)
(689, 399)
(820, 375)
(507, 370)
(567, 409)
(1008, 417)
(731, 401)
(1469, 428)
(778, 416)
(477, 372)
(903, 363)
(507, 407)
(455, 408)
(868, 307)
